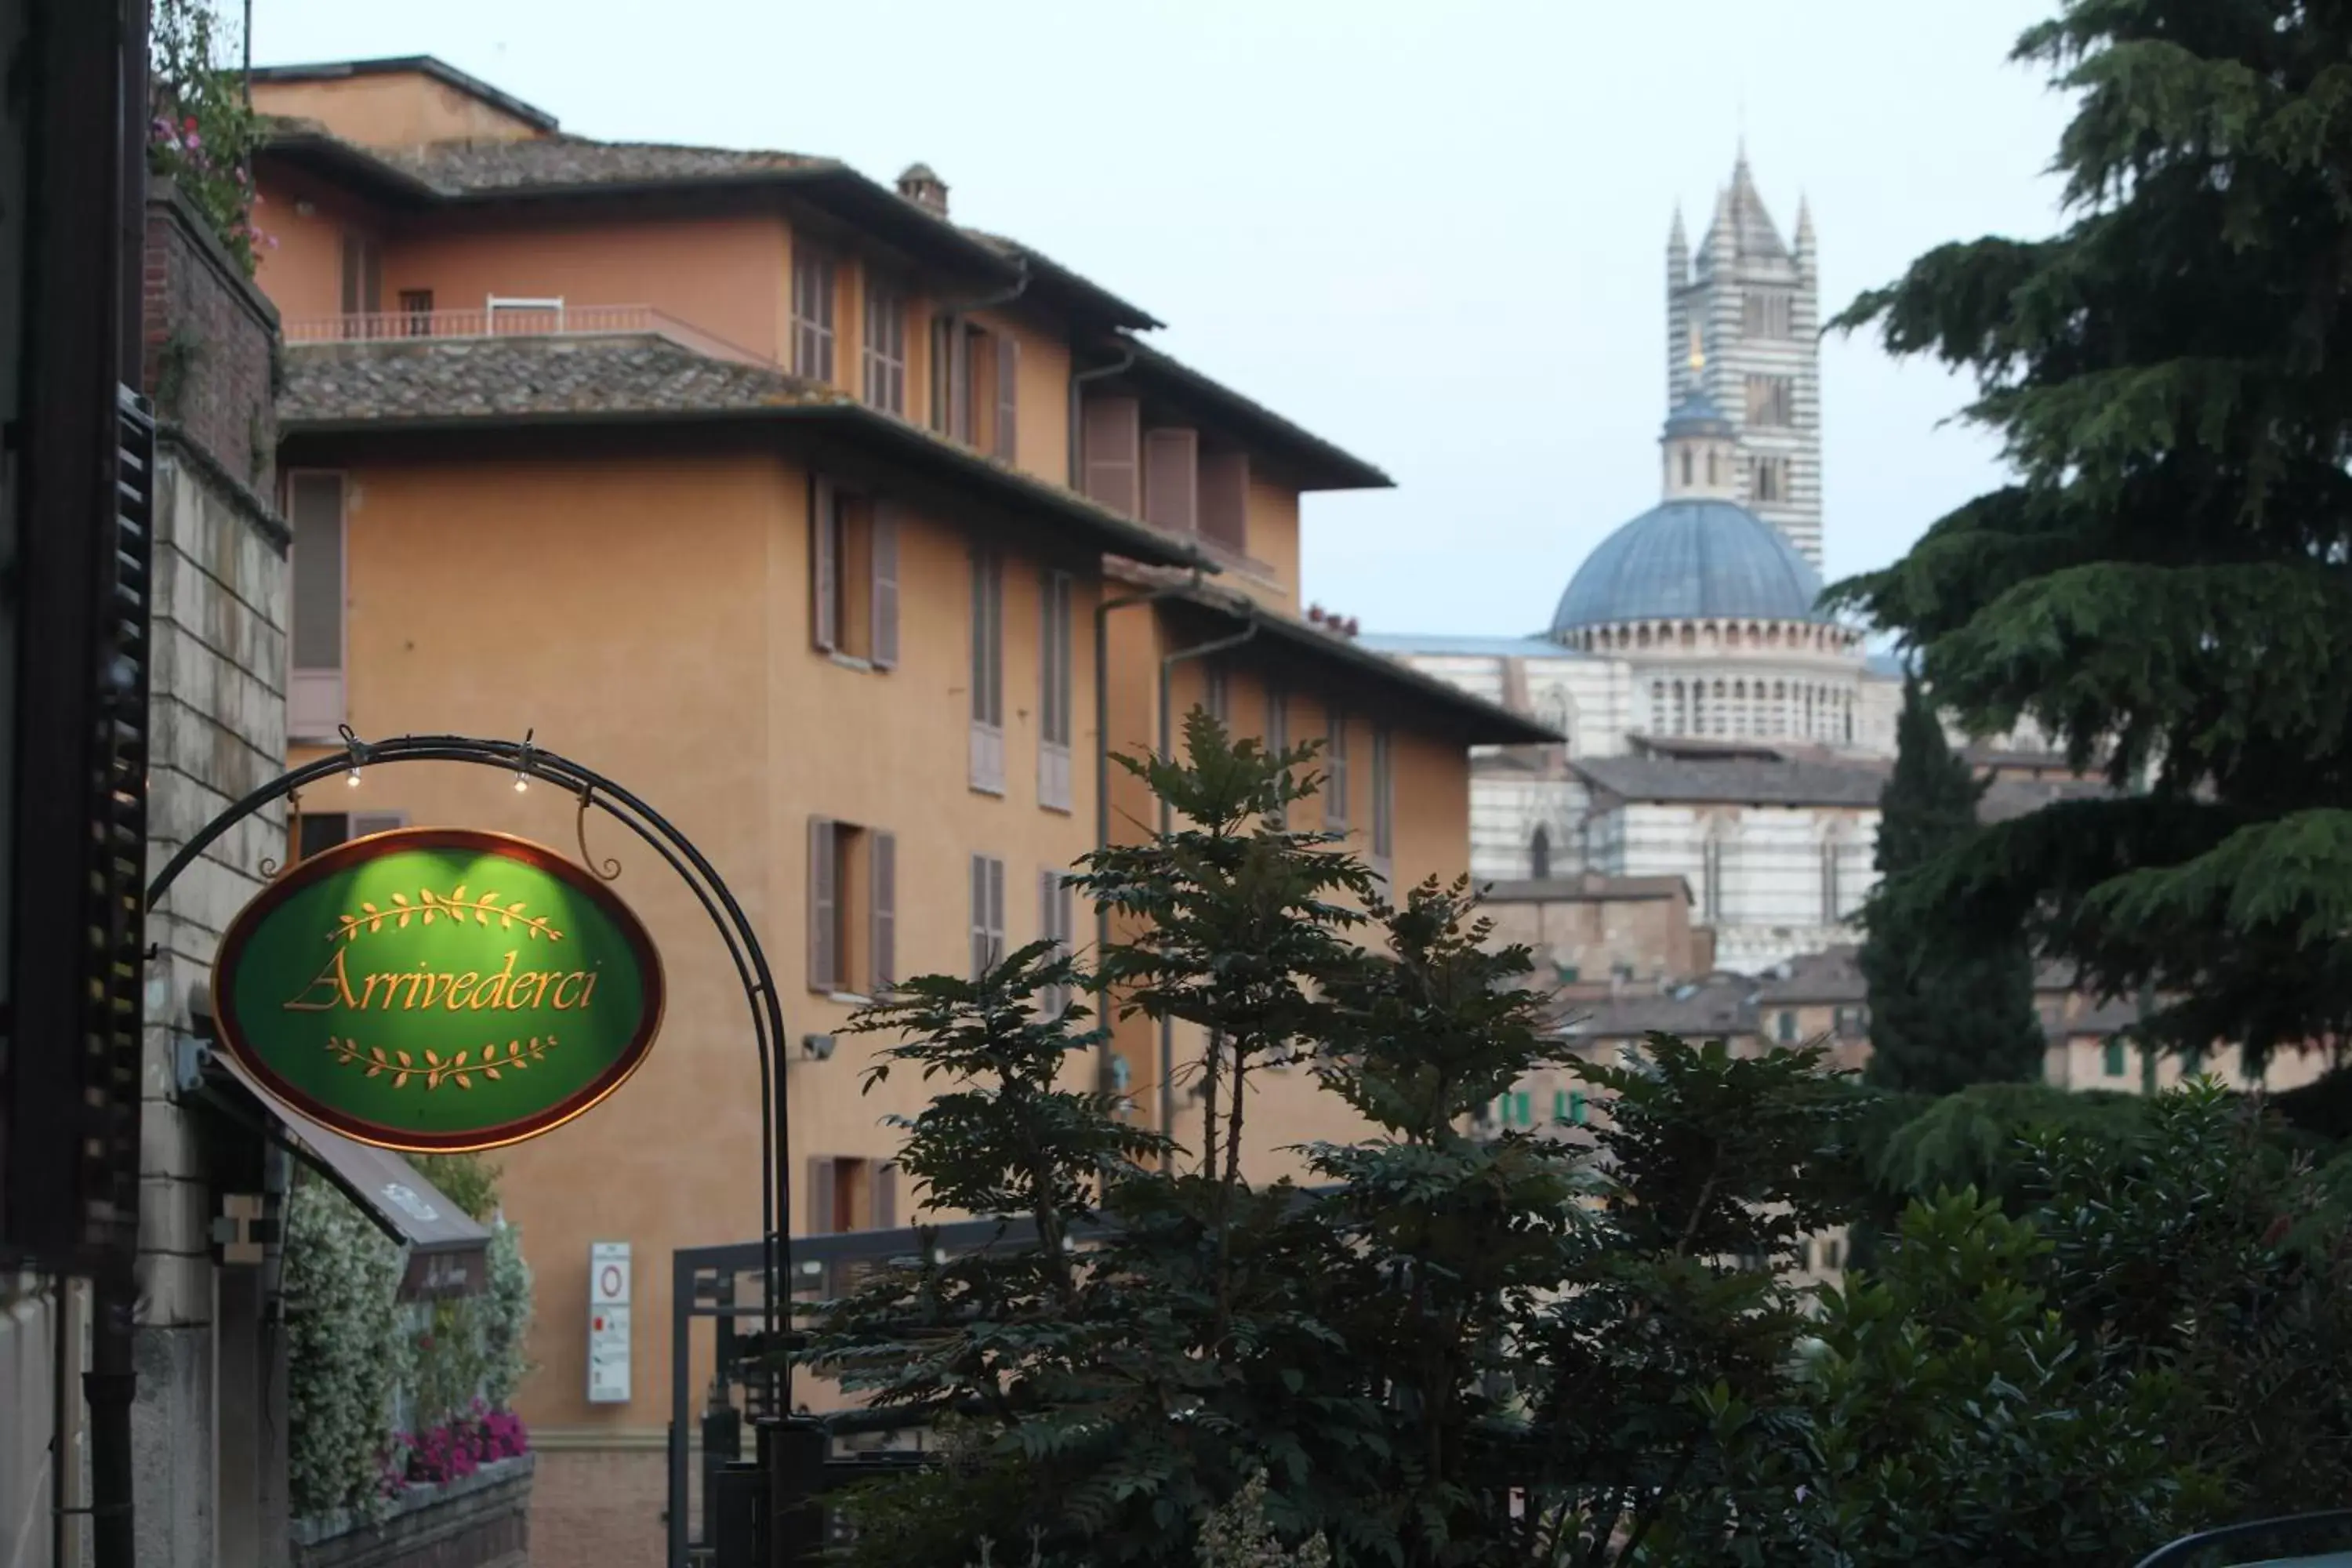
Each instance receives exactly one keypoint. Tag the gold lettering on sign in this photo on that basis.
(398, 991)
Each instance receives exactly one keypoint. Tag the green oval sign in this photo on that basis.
(438, 989)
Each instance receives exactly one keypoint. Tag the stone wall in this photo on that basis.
(208, 1427)
(480, 1521)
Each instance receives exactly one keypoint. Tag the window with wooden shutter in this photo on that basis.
(987, 670)
(1216, 692)
(883, 635)
(1111, 445)
(1383, 801)
(1053, 925)
(315, 697)
(884, 351)
(885, 1196)
(823, 1194)
(813, 332)
(1335, 770)
(1278, 737)
(824, 906)
(882, 891)
(987, 914)
(362, 285)
(1053, 702)
(1224, 500)
(947, 374)
(1007, 395)
(825, 566)
(1171, 480)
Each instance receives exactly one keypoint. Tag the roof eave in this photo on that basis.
(1479, 721)
(1318, 464)
(1116, 534)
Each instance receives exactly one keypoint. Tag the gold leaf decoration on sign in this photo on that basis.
(454, 905)
(515, 1054)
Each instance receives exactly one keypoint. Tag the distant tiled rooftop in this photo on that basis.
(1833, 975)
(508, 377)
(1719, 1006)
(1783, 782)
(1399, 645)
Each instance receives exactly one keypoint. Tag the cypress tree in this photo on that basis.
(1949, 1005)
(2162, 584)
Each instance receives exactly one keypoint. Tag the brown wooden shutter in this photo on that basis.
(820, 1195)
(823, 900)
(995, 912)
(884, 872)
(1110, 440)
(885, 1196)
(1225, 499)
(978, 916)
(886, 585)
(1171, 480)
(825, 568)
(1008, 394)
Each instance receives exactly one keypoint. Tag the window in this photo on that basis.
(1833, 1254)
(1831, 851)
(1216, 694)
(1335, 766)
(849, 1193)
(987, 914)
(1769, 480)
(1686, 465)
(363, 284)
(975, 385)
(1711, 879)
(1772, 401)
(853, 915)
(1765, 313)
(1055, 923)
(1784, 1027)
(1568, 1107)
(1054, 666)
(884, 351)
(1277, 736)
(416, 313)
(1383, 801)
(987, 670)
(1521, 1115)
(1540, 853)
(1171, 480)
(853, 574)
(314, 698)
(1223, 501)
(811, 313)
(325, 829)
(2112, 1064)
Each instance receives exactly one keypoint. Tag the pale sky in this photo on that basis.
(1434, 234)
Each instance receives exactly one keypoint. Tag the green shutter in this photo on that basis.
(1576, 1107)
(2115, 1058)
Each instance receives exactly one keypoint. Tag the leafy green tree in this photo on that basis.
(1449, 1350)
(1951, 1005)
(2163, 583)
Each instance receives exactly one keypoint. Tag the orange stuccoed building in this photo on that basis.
(829, 526)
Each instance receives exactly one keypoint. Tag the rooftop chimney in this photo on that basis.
(924, 188)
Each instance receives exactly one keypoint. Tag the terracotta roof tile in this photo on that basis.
(444, 378)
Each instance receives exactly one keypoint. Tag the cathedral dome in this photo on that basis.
(1692, 558)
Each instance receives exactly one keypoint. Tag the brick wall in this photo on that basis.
(482, 1521)
(211, 344)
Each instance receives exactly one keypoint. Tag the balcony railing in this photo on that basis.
(535, 319)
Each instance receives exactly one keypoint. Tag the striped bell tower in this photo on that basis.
(1743, 324)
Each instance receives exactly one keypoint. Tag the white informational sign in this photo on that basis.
(608, 1322)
